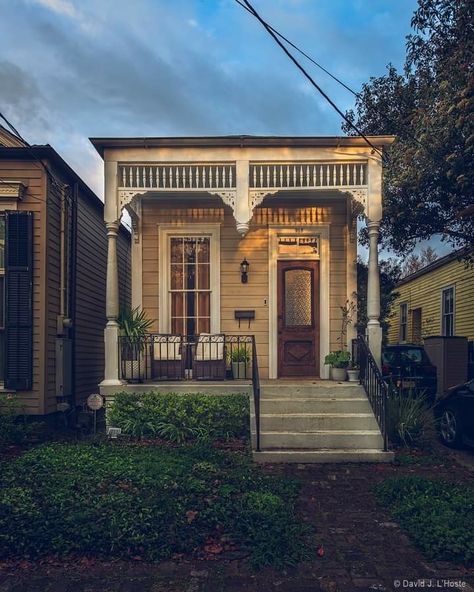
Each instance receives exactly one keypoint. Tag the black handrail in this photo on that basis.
(375, 387)
(256, 392)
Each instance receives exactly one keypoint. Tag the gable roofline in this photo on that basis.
(243, 141)
(47, 152)
(458, 254)
(9, 139)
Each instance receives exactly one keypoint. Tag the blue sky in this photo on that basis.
(71, 69)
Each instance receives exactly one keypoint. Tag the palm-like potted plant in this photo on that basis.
(240, 357)
(339, 360)
(134, 326)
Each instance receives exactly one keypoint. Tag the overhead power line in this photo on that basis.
(303, 53)
(310, 79)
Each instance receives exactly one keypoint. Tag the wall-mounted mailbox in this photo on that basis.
(247, 315)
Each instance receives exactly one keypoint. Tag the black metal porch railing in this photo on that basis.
(256, 392)
(159, 356)
(375, 387)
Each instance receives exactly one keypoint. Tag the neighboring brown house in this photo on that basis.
(53, 253)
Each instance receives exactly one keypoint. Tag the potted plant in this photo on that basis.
(240, 357)
(339, 361)
(134, 326)
(353, 373)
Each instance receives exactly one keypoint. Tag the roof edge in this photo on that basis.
(458, 254)
(243, 141)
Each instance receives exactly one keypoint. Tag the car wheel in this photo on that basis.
(450, 429)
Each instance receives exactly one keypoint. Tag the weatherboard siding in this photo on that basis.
(425, 292)
(254, 247)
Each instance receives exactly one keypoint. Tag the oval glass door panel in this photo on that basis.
(298, 308)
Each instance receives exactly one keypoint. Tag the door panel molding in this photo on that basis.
(298, 329)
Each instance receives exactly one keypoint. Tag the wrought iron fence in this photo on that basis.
(375, 387)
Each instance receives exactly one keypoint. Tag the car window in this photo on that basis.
(389, 357)
(412, 355)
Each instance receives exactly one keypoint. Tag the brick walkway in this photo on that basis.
(364, 548)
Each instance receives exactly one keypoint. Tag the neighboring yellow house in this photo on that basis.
(436, 300)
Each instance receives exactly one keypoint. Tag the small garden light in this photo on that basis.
(244, 271)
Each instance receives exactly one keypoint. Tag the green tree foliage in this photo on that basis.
(389, 277)
(428, 184)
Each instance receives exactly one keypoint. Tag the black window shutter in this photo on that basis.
(19, 300)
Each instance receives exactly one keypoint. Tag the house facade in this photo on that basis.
(53, 253)
(244, 235)
(436, 300)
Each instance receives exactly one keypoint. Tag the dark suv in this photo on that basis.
(408, 367)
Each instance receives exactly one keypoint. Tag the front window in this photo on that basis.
(403, 321)
(448, 311)
(190, 290)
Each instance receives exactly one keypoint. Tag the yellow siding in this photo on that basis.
(254, 247)
(425, 292)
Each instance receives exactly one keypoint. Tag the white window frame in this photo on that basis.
(443, 313)
(404, 340)
(165, 232)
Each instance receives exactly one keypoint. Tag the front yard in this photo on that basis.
(175, 505)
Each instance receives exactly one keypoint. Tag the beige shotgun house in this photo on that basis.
(244, 249)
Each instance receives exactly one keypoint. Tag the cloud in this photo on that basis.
(155, 67)
(63, 7)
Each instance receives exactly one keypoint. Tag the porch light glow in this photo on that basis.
(244, 271)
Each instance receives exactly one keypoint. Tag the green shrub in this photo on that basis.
(118, 501)
(181, 417)
(408, 418)
(438, 516)
(13, 430)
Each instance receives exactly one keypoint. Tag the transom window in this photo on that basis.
(448, 311)
(190, 290)
(403, 322)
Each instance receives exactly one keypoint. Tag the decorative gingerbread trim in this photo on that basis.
(256, 197)
(12, 189)
(228, 197)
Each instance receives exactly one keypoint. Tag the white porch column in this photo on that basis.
(374, 330)
(111, 333)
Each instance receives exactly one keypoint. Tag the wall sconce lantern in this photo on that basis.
(244, 271)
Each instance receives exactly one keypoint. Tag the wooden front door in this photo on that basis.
(298, 318)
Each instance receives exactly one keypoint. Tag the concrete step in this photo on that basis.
(315, 405)
(308, 390)
(333, 455)
(311, 422)
(316, 439)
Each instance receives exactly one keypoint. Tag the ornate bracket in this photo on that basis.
(126, 196)
(256, 197)
(355, 209)
(359, 195)
(228, 197)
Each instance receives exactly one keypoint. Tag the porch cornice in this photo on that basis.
(100, 144)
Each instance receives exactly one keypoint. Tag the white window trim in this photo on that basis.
(165, 231)
(443, 290)
(400, 340)
(322, 230)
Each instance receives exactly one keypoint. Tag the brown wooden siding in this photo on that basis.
(32, 175)
(255, 248)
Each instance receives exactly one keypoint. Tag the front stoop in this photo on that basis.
(320, 422)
